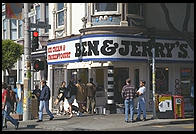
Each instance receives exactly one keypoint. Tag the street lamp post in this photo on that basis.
(152, 41)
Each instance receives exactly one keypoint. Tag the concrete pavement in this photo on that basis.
(91, 123)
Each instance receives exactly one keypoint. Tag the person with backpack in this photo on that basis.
(71, 95)
(6, 108)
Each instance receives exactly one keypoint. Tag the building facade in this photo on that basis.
(110, 42)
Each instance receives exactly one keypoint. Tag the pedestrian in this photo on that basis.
(71, 95)
(44, 101)
(127, 94)
(141, 105)
(6, 108)
(60, 98)
(80, 96)
(20, 96)
(12, 95)
(91, 91)
(37, 93)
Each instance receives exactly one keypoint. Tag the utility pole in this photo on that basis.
(27, 66)
(153, 76)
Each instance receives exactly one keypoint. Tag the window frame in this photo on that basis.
(106, 12)
(136, 15)
(13, 30)
(20, 32)
(4, 29)
(57, 14)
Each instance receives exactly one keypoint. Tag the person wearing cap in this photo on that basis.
(44, 101)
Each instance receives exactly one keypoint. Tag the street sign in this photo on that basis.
(40, 24)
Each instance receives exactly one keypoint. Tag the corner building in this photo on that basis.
(110, 43)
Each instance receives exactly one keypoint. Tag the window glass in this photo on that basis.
(134, 8)
(20, 29)
(13, 29)
(4, 29)
(60, 6)
(46, 16)
(105, 7)
(60, 14)
(37, 12)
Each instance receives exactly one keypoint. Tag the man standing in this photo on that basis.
(91, 90)
(44, 101)
(141, 101)
(80, 96)
(128, 95)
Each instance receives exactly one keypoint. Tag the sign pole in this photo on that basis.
(27, 67)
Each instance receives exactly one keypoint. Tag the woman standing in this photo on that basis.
(141, 101)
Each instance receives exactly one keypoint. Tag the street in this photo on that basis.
(113, 122)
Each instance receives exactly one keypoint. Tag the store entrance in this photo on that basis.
(120, 76)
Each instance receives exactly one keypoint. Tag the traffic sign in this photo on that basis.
(40, 24)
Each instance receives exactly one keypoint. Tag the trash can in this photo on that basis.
(34, 107)
(165, 106)
(178, 102)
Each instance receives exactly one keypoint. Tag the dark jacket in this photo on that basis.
(45, 93)
(62, 90)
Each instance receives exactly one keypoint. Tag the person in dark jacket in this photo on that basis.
(44, 101)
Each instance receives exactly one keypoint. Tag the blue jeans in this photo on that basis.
(141, 105)
(6, 116)
(45, 104)
(129, 105)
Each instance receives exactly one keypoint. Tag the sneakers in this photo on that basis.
(16, 127)
(126, 121)
(144, 119)
(51, 118)
(39, 121)
(138, 119)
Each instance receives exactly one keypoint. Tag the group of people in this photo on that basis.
(83, 93)
(129, 93)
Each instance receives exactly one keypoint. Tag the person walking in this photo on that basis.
(71, 95)
(60, 98)
(12, 95)
(20, 96)
(44, 101)
(80, 96)
(127, 94)
(6, 108)
(141, 105)
(91, 91)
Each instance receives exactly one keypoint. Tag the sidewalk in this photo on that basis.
(93, 123)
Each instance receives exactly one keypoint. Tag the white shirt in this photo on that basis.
(142, 90)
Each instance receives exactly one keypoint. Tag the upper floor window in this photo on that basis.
(135, 8)
(13, 27)
(4, 29)
(20, 29)
(46, 16)
(106, 8)
(60, 14)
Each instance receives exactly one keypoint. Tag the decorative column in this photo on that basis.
(110, 92)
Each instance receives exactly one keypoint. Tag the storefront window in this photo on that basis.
(120, 76)
(185, 76)
(100, 79)
(161, 80)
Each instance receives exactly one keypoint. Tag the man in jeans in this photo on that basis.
(128, 94)
(44, 101)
